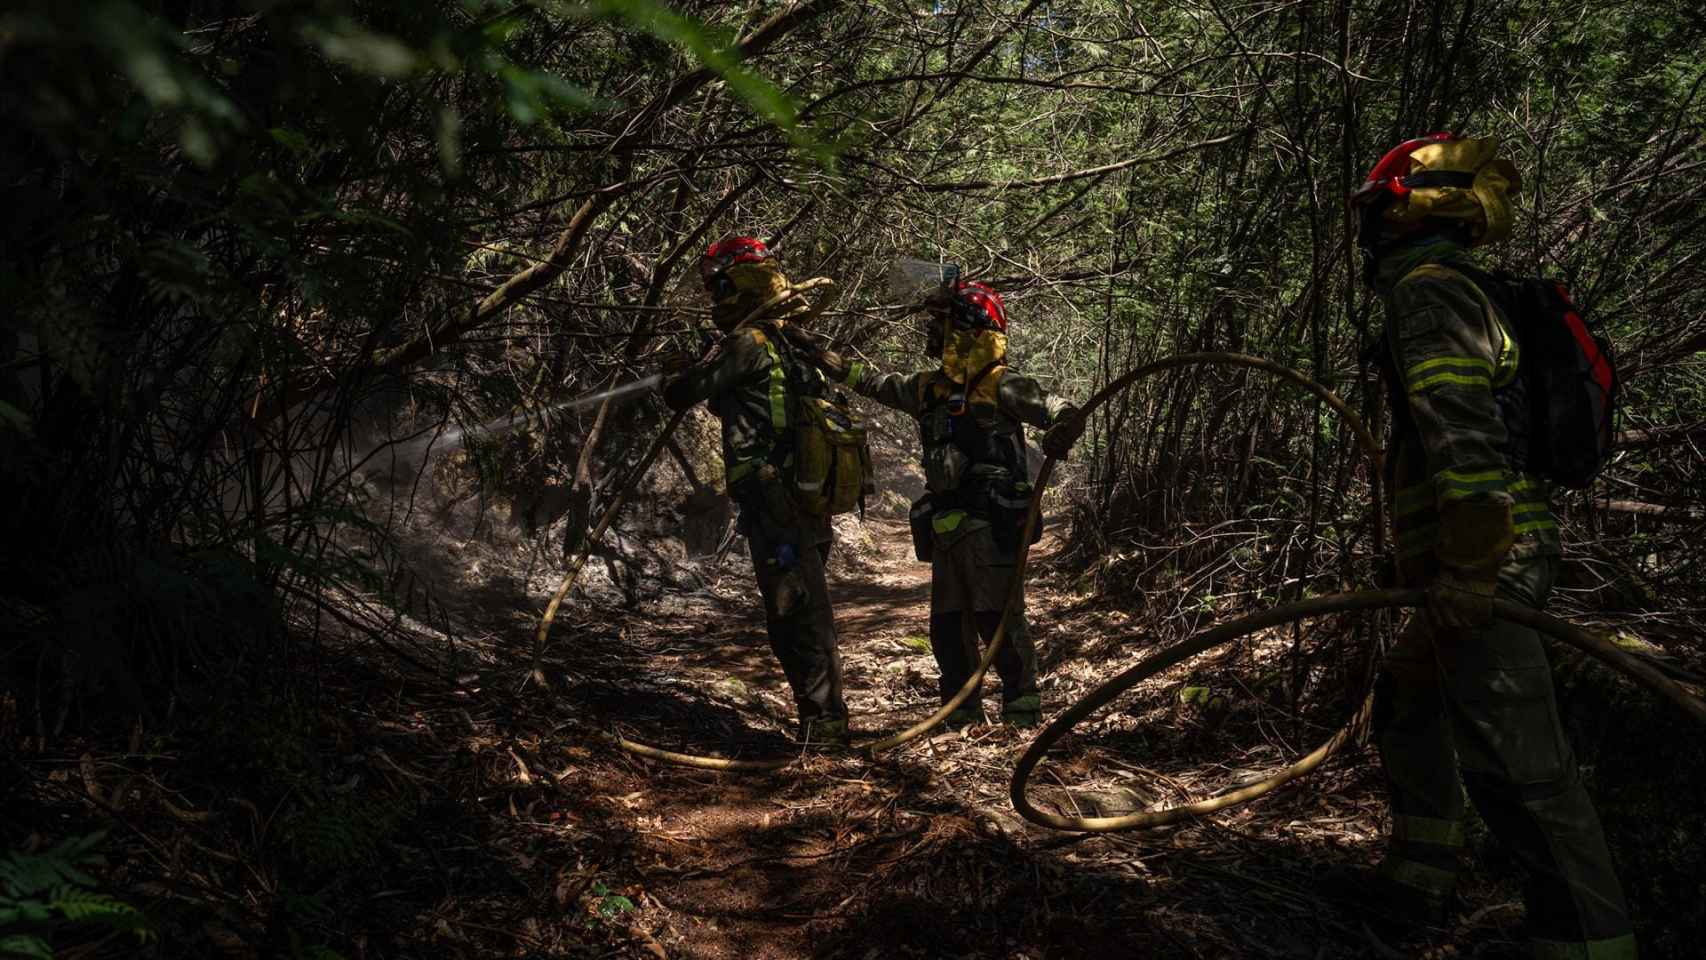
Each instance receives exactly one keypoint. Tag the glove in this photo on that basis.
(1460, 601)
(832, 364)
(678, 394)
(672, 363)
(1475, 537)
(1058, 440)
(828, 361)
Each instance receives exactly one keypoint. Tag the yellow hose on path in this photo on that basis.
(1364, 439)
(1548, 625)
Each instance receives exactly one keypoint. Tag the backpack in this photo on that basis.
(1561, 412)
(832, 472)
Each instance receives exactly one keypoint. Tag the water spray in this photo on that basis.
(501, 425)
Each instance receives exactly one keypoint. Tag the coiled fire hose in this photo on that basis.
(1548, 625)
(1551, 626)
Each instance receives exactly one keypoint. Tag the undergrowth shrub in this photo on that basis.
(47, 898)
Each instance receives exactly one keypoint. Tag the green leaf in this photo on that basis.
(293, 140)
(198, 142)
(614, 905)
(450, 142)
(501, 29)
(1193, 695)
(374, 218)
(374, 53)
(24, 945)
(15, 418)
(25, 911)
(716, 53)
(531, 93)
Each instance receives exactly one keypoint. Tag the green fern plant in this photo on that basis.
(41, 894)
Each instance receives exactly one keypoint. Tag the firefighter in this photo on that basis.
(1464, 697)
(749, 384)
(971, 411)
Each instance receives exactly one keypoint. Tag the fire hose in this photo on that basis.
(1016, 591)
(1550, 626)
(1368, 600)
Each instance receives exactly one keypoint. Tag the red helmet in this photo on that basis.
(1391, 177)
(976, 306)
(728, 252)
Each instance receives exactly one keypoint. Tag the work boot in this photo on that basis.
(1025, 711)
(828, 734)
(965, 715)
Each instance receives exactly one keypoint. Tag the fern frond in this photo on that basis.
(24, 945)
(88, 906)
(18, 912)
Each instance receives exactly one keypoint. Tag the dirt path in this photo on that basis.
(920, 854)
(453, 809)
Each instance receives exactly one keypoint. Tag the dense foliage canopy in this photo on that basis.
(249, 242)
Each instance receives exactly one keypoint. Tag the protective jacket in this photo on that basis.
(1478, 703)
(972, 433)
(1451, 362)
(971, 415)
(747, 384)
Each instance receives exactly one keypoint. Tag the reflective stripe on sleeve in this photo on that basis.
(1462, 484)
(778, 390)
(1529, 515)
(1460, 371)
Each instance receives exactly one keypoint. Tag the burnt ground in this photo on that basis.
(453, 809)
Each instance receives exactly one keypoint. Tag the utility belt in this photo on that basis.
(1001, 501)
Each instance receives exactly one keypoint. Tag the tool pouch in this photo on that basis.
(923, 533)
(1009, 505)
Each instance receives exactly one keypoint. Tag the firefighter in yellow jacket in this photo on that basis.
(749, 382)
(1464, 697)
(971, 413)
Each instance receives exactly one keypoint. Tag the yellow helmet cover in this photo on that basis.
(1457, 179)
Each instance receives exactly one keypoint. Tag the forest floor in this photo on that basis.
(460, 811)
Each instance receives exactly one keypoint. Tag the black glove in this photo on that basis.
(678, 394)
(1058, 440)
(828, 361)
(671, 364)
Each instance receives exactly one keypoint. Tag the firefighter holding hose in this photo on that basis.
(1463, 697)
(971, 411)
(751, 383)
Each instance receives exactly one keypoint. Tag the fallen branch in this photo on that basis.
(1662, 436)
(1663, 511)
